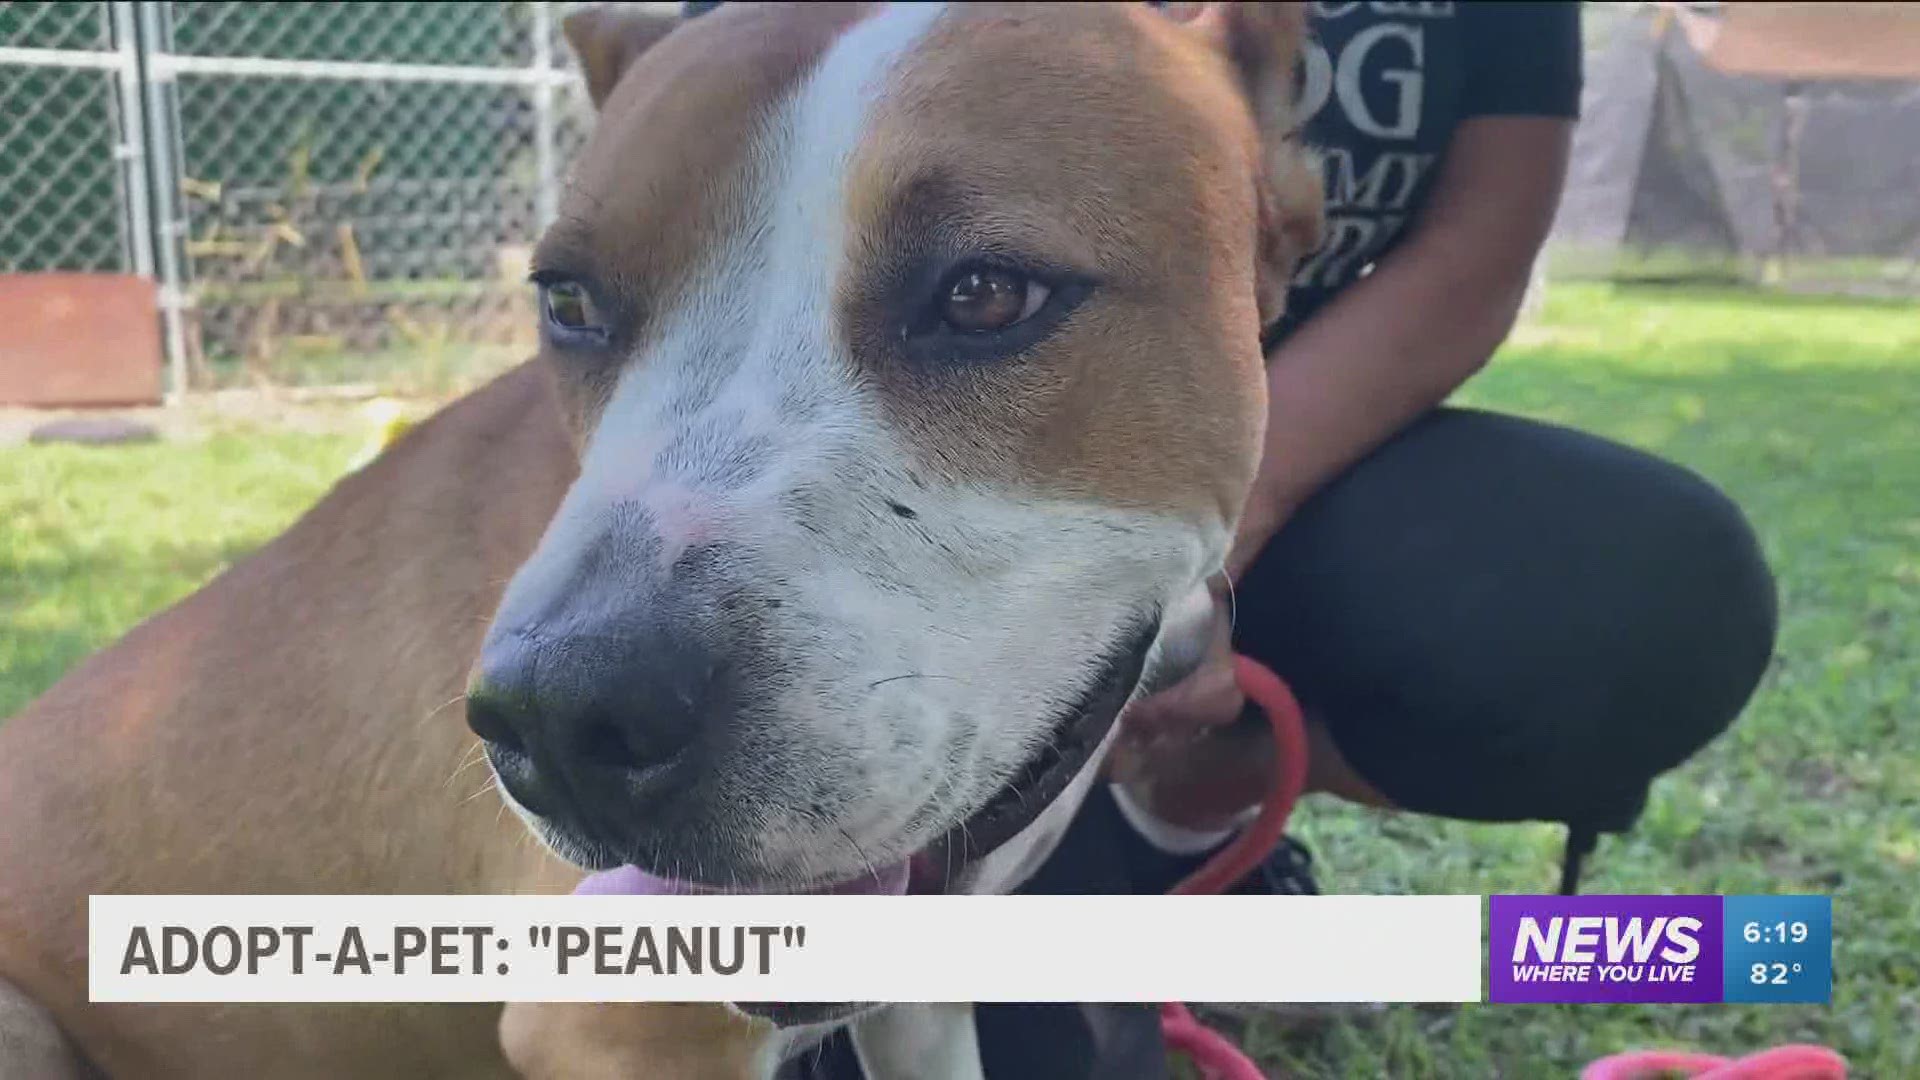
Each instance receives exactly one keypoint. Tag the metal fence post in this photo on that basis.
(546, 196)
(132, 148)
(169, 224)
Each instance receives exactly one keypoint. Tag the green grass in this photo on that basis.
(1807, 411)
(92, 540)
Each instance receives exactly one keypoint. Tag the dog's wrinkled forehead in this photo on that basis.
(781, 177)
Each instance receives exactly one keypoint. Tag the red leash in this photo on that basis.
(1218, 1058)
(1795, 1062)
(1238, 859)
(1212, 1053)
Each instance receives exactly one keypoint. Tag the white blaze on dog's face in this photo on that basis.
(912, 354)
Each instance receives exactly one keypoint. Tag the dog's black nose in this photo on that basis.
(594, 719)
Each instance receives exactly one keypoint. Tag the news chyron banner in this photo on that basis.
(1661, 949)
(784, 948)
(1646, 949)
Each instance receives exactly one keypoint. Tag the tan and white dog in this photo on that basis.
(900, 388)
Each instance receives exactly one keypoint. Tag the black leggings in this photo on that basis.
(1502, 620)
(1496, 619)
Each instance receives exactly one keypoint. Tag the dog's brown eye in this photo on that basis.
(569, 306)
(982, 299)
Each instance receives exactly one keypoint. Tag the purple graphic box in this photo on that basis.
(1582, 949)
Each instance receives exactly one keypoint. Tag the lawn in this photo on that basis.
(92, 540)
(1806, 410)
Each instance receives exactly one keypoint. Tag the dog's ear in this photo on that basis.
(1263, 42)
(608, 38)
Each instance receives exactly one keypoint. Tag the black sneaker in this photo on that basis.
(1286, 872)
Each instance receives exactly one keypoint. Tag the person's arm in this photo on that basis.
(1397, 342)
(1388, 348)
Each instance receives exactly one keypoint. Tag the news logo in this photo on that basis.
(1660, 949)
(1650, 949)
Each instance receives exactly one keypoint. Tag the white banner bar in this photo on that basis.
(784, 948)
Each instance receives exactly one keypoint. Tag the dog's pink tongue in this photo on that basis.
(889, 880)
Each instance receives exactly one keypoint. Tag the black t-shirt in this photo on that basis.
(1385, 84)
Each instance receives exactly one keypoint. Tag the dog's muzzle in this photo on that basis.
(595, 725)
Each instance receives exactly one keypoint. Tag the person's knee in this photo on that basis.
(1700, 653)
(1502, 619)
(1684, 622)
(1727, 615)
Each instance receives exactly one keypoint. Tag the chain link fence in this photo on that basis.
(63, 190)
(326, 192)
(370, 205)
(347, 192)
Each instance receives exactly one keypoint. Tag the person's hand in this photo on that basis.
(1187, 755)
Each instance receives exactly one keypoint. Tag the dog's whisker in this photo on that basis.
(484, 788)
(461, 771)
(966, 836)
(469, 760)
(861, 855)
(912, 675)
(444, 706)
